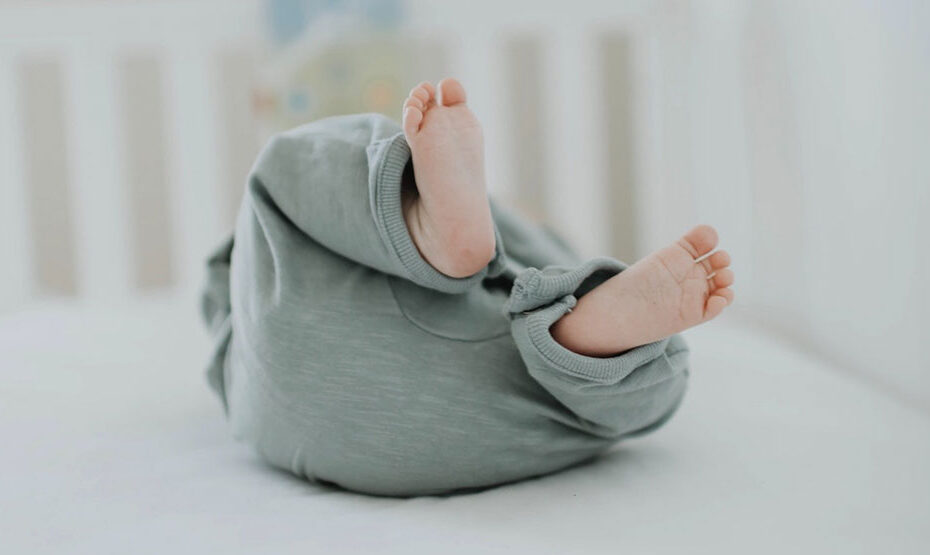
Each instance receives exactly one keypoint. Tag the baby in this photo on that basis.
(382, 325)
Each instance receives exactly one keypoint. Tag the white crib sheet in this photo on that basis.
(112, 441)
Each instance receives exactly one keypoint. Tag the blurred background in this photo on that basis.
(801, 130)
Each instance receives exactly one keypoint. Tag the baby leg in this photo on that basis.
(447, 211)
(449, 219)
(670, 290)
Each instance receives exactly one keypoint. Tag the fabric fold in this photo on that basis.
(340, 354)
(338, 181)
(650, 378)
(387, 160)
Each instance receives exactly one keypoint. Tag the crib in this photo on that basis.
(124, 150)
(129, 145)
(113, 144)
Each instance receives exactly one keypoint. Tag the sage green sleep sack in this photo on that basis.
(343, 356)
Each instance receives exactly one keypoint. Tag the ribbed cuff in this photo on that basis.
(535, 326)
(389, 158)
(540, 297)
(534, 288)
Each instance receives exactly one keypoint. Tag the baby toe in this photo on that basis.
(723, 277)
(451, 92)
(700, 240)
(726, 293)
(713, 308)
(413, 102)
(424, 91)
(720, 259)
(412, 119)
(717, 302)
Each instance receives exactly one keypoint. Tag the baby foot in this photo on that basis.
(448, 216)
(670, 290)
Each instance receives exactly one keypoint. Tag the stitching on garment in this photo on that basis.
(400, 244)
(655, 383)
(380, 195)
(581, 373)
(416, 324)
(603, 383)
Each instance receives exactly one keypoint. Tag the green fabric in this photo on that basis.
(342, 355)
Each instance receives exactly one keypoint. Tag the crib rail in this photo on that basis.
(128, 131)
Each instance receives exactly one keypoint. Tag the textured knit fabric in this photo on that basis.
(342, 355)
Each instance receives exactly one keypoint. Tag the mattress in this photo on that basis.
(111, 441)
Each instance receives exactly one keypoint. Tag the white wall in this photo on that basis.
(806, 131)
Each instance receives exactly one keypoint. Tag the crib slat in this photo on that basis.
(665, 199)
(237, 131)
(524, 101)
(616, 59)
(41, 99)
(17, 263)
(197, 199)
(575, 152)
(100, 197)
(476, 61)
(146, 173)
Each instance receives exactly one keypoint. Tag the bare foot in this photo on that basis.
(662, 294)
(448, 216)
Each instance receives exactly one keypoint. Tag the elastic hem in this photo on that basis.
(534, 288)
(600, 370)
(386, 206)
